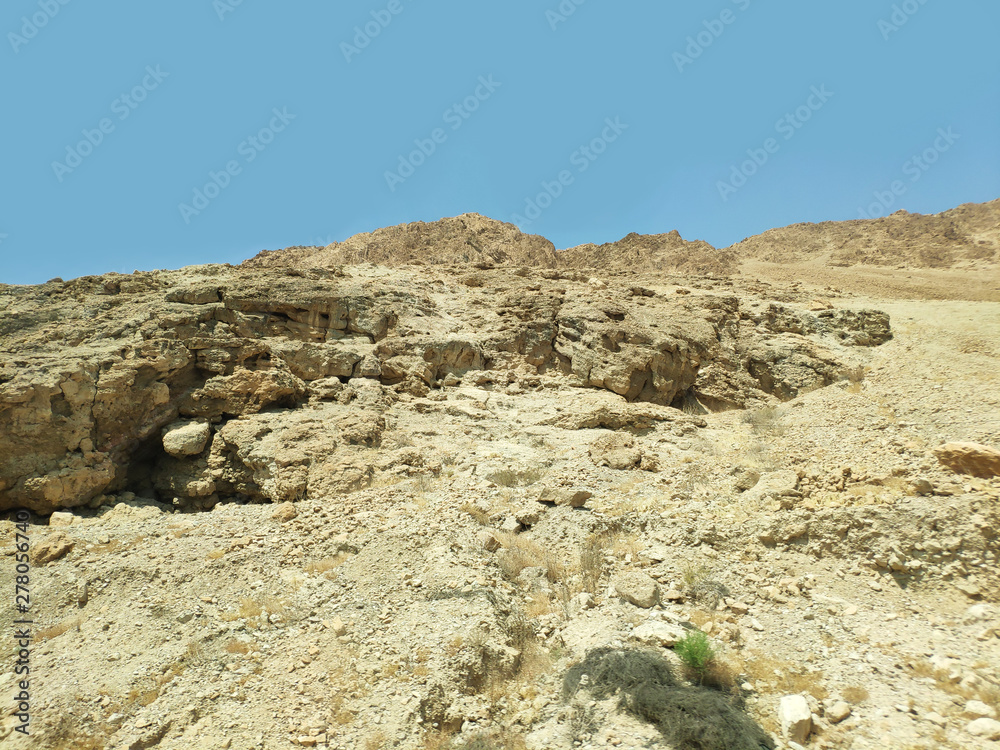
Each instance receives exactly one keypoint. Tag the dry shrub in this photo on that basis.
(238, 647)
(68, 735)
(988, 693)
(513, 478)
(327, 564)
(701, 584)
(479, 515)
(784, 676)
(519, 553)
(855, 694)
(687, 716)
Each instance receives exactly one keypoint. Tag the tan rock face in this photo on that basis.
(970, 458)
(270, 383)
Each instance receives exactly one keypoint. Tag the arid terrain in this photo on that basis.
(445, 487)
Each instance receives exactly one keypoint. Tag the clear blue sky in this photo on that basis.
(181, 88)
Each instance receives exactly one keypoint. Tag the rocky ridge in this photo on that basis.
(429, 504)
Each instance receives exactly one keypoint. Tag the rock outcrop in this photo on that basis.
(214, 382)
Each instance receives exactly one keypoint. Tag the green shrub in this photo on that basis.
(695, 652)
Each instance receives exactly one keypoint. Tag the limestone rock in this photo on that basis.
(658, 633)
(986, 728)
(795, 718)
(970, 458)
(838, 712)
(185, 438)
(284, 512)
(564, 496)
(637, 588)
(616, 451)
(978, 710)
(52, 548)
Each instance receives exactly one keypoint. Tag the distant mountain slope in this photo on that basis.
(650, 252)
(469, 238)
(962, 236)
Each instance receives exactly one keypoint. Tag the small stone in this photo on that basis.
(61, 518)
(739, 608)
(510, 525)
(338, 627)
(838, 712)
(637, 588)
(978, 710)
(51, 548)
(922, 487)
(795, 718)
(935, 718)
(529, 515)
(489, 541)
(673, 595)
(284, 512)
(986, 728)
(970, 588)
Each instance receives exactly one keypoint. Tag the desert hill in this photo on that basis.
(443, 487)
(466, 239)
(961, 237)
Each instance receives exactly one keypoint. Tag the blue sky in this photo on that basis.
(306, 122)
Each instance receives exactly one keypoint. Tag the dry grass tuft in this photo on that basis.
(855, 694)
(479, 515)
(512, 478)
(519, 553)
(327, 565)
(73, 623)
(779, 675)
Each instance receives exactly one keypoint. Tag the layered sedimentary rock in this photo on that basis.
(271, 383)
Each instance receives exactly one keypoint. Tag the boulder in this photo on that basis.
(637, 588)
(658, 633)
(564, 496)
(185, 438)
(795, 718)
(970, 458)
(51, 548)
(986, 728)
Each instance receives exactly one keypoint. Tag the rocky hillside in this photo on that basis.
(651, 252)
(465, 239)
(99, 370)
(484, 495)
(965, 236)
